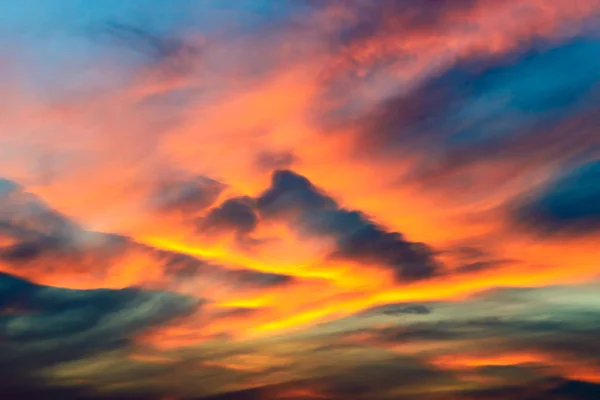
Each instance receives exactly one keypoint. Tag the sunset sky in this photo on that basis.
(300, 199)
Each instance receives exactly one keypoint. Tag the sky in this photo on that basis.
(300, 199)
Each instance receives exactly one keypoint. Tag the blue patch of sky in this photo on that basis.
(53, 42)
(541, 87)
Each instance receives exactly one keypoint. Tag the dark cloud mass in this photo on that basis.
(235, 215)
(52, 313)
(41, 326)
(357, 238)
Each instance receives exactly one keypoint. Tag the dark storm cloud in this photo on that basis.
(187, 195)
(237, 215)
(570, 203)
(314, 213)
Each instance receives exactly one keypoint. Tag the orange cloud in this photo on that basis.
(552, 364)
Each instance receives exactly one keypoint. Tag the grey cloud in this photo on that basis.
(237, 215)
(270, 160)
(24, 216)
(400, 309)
(312, 212)
(47, 241)
(187, 195)
(185, 267)
(47, 325)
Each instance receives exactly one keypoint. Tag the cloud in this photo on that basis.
(357, 238)
(182, 267)
(260, 279)
(546, 331)
(163, 52)
(570, 203)
(270, 160)
(38, 239)
(400, 309)
(24, 215)
(478, 266)
(46, 246)
(369, 21)
(484, 124)
(292, 194)
(396, 377)
(236, 214)
(41, 326)
(551, 389)
(187, 195)
(49, 313)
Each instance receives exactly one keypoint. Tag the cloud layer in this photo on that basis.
(354, 199)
